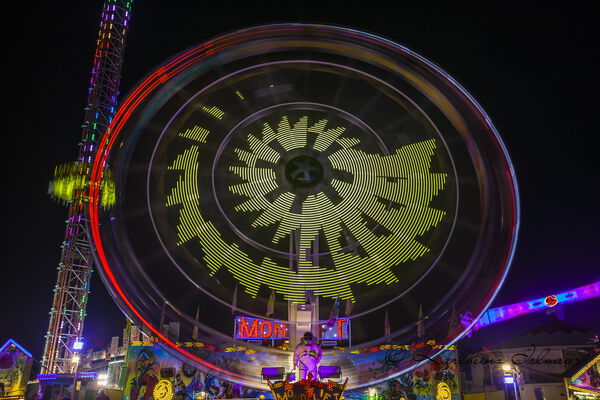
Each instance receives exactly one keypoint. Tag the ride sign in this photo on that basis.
(255, 328)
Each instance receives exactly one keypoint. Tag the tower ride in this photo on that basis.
(76, 264)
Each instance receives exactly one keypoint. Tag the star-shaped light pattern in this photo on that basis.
(401, 179)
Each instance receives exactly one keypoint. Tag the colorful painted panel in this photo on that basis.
(15, 365)
(149, 365)
(423, 383)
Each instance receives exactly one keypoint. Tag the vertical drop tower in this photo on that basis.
(69, 185)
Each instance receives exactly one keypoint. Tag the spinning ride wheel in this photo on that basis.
(304, 160)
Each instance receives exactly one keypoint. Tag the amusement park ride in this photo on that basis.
(291, 168)
(69, 186)
(318, 163)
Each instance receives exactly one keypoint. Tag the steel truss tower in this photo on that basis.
(75, 268)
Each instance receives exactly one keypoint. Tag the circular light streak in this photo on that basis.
(482, 180)
(187, 132)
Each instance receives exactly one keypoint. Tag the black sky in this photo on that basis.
(531, 69)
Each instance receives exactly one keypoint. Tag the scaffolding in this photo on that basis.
(76, 264)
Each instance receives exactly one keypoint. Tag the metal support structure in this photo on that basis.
(75, 268)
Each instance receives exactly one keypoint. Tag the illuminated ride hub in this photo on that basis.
(317, 173)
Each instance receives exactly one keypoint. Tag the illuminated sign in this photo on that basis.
(255, 328)
(339, 331)
(307, 389)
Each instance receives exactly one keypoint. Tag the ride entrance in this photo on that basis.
(297, 176)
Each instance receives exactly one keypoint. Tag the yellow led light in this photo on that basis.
(70, 179)
(196, 133)
(442, 391)
(402, 178)
(163, 390)
(214, 111)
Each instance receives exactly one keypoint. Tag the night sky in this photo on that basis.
(531, 69)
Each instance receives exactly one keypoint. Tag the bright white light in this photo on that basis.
(75, 358)
(506, 367)
(78, 345)
(509, 379)
(103, 377)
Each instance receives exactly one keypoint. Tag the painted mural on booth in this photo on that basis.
(147, 365)
(423, 383)
(150, 363)
(15, 365)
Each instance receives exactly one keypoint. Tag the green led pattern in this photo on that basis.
(197, 134)
(214, 111)
(394, 190)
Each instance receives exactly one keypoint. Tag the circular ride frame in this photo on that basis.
(492, 173)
